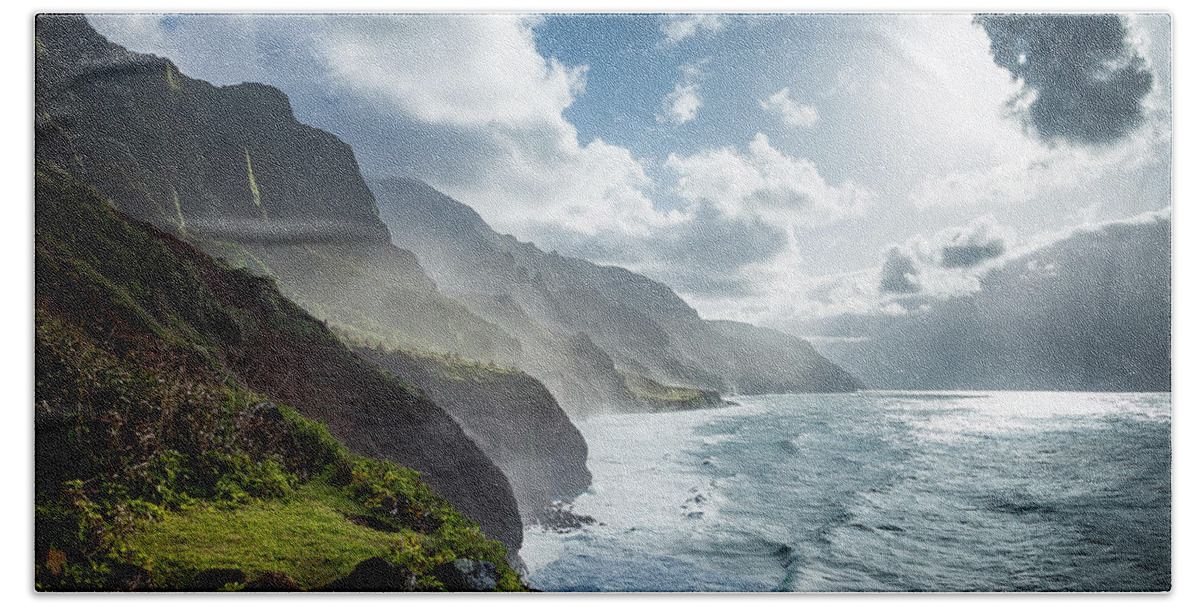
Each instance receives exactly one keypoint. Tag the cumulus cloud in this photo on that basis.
(678, 27)
(735, 249)
(782, 106)
(681, 105)
(1083, 82)
(717, 242)
(914, 275)
(458, 70)
(1088, 309)
(764, 182)
(946, 264)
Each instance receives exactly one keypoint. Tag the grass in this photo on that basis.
(450, 366)
(172, 82)
(455, 367)
(254, 184)
(648, 390)
(306, 536)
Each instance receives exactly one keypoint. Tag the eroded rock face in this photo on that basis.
(468, 575)
(375, 574)
(232, 171)
(227, 162)
(215, 579)
(511, 417)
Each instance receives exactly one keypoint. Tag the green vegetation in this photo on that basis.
(254, 184)
(154, 462)
(172, 81)
(449, 366)
(307, 537)
(233, 254)
(658, 396)
(178, 213)
(454, 367)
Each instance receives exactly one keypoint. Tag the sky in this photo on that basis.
(774, 169)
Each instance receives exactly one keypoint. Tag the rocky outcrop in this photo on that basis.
(511, 416)
(468, 575)
(658, 398)
(375, 574)
(215, 579)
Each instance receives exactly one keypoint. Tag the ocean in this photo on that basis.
(874, 491)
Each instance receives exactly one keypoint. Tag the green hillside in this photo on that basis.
(156, 461)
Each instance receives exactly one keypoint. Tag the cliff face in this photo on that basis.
(229, 163)
(512, 418)
(231, 170)
(638, 324)
(129, 283)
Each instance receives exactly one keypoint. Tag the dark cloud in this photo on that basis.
(898, 272)
(1087, 83)
(720, 243)
(706, 255)
(971, 254)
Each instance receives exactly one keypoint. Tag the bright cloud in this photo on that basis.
(1036, 171)
(764, 182)
(681, 105)
(459, 70)
(782, 106)
(678, 27)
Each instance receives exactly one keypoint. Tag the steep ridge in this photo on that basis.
(640, 324)
(1090, 312)
(512, 418)
(247, 183)
(231, 170)
(118, 290)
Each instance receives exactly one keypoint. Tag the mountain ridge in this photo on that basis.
(232, 171)
(640, 324)
(1088, 312)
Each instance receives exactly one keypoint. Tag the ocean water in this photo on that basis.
(874, 491)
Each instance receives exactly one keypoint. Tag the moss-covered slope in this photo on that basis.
(161, 376)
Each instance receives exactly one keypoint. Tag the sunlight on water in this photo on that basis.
(875, 491)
